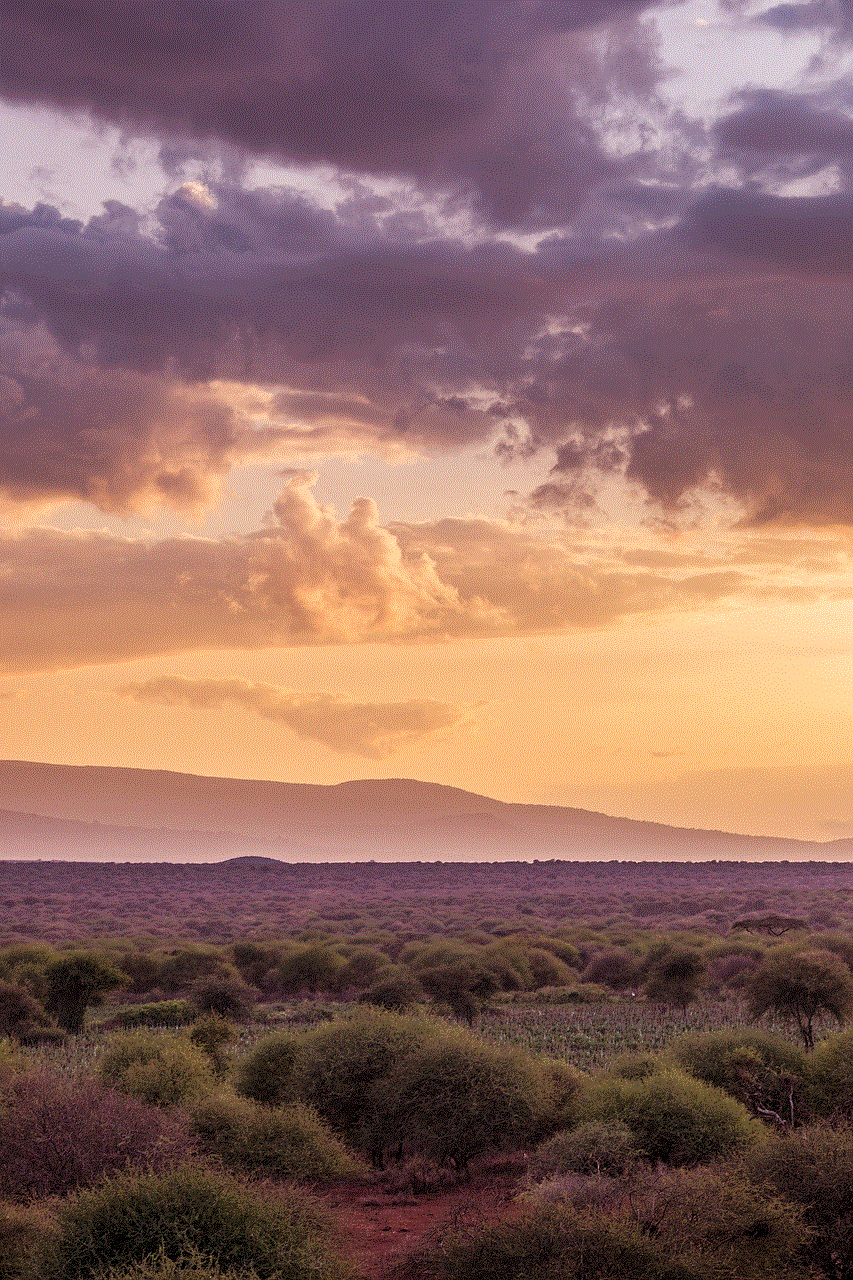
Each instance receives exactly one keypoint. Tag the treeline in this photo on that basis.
(254, 898)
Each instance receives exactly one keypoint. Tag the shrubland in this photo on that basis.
(169, 1102)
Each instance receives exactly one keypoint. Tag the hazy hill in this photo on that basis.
(136, 813)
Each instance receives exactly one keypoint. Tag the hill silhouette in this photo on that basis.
(101, 813)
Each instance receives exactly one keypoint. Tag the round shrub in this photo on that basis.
(457, 1097)
(27, 1243)
(271, 1072)
(547, 970)
(346, 1066)
(612, 968)
(288, 1142)
(719, 1221)
(673, 1117)
(761, 1070)
(395, 989)
(193, 1267)
(20, 1013)
(832, 1076)
(559, 1084)
(159, 1013)
(597, 1147)
(190, 1215)
(810, 1166)
(635, 1066)
(58, 1134)
(546, 1242)
(224, 994)
(160, 1069)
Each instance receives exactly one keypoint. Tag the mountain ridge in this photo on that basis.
(136, 813)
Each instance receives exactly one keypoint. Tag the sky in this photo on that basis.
(448, 390)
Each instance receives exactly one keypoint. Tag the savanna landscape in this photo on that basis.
(545, 1070)
(426, 602)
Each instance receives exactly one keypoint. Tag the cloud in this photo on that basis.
(831, 15)
(80, 598)
(139, 369)
(476, 97)
(371, 730)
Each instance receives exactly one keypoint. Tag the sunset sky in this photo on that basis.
(448, 390)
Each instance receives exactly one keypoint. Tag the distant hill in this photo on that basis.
(66, 811)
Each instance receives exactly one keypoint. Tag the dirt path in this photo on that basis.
(378, 1228)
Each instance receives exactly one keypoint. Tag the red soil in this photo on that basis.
(378, 1227)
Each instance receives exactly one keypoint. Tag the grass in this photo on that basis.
(590, 1035)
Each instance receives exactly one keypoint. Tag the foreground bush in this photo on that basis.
(27, 1243)
(271, 1072)
(558, 1104)
(58, 1134)
(545, 1243)
(188, 1215)
(345, 1071)
(160, 1069)
(21, 1015)
(761, 1070)
(832, 1076)
(457, 1097)
(717, 1222)
(289, 1142)
(673, 1117)
(813, 1169)
(597, 1147)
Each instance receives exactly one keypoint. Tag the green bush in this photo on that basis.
(718, 1222)
(27, 1243)
(345, 1069)
(761, 1070)
(188, 1215)
(456, 1097)
(75, 981)
(161, 1069)
(674, 1117)
(635, 1066)
(193, 1267)
(288, 1142)
(558, 1096)
(308, 970)
(395, 989)
(597, 1147)
(813, 1169)
(547, 970)
(214, 1035)
(831, 1090)
(224, 994)
(21, 1015)
(546, 1242)
(271, 1072)
(159, 1013)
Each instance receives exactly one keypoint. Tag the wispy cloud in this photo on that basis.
(372, 730)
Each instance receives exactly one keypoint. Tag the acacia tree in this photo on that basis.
(74, 982)
(799, 986)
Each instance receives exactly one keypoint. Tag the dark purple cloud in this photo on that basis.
(819, 15)
(479, 97)
(714, 350)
